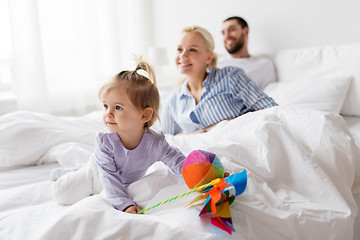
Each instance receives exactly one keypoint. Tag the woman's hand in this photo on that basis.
(211, 127)
(191, 133)
(203, 130)
(132, 209)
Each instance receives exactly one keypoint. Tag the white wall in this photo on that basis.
(132, 26)
(274, 24)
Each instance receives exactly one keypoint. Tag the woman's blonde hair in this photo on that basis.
(141, 91)
(209, 41)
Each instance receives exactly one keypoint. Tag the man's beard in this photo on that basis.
(239, 45)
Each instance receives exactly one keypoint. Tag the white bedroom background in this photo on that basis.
(6, 60)
(274, 25)
(59, 52)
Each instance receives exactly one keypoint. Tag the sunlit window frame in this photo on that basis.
(6, 63)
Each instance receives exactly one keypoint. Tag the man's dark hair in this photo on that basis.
(240, 20)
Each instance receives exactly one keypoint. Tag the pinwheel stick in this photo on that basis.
(212, 183)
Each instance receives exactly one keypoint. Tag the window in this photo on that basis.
(53, 64)
(6, 50)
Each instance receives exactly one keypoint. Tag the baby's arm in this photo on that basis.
(174, 158)
(110, 176)
(171, 156)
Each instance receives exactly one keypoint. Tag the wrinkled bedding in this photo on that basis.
(303, 172)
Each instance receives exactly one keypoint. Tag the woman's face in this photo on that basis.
(192, 54)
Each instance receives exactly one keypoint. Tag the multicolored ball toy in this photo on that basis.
(201, 167)
(203, 172)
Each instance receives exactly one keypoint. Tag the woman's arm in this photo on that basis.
(253, 98)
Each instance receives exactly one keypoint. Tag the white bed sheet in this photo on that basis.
(353, 124)
(302, 166)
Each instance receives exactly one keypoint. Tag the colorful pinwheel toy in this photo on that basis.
(203, 172)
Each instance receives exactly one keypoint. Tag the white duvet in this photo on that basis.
(303, 168)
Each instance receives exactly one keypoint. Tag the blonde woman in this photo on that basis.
(208, 95)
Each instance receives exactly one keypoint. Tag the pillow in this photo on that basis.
(323, 93)
(329, 60)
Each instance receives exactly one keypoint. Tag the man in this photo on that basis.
(235, 33)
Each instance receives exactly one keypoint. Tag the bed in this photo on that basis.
(302, 160)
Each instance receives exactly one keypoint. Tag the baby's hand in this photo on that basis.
(132, 209)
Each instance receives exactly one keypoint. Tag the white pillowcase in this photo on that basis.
(324, 93)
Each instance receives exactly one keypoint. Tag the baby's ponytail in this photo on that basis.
(142, 65)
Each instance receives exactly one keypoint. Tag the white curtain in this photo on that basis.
(65, 49)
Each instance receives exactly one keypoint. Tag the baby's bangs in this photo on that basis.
(110, 86)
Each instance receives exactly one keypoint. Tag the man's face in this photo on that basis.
(233, 35)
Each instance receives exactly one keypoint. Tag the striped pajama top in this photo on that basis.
(227, 93)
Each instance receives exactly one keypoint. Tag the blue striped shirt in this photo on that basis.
(227, 93)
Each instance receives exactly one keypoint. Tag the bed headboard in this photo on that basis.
(316, 62)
